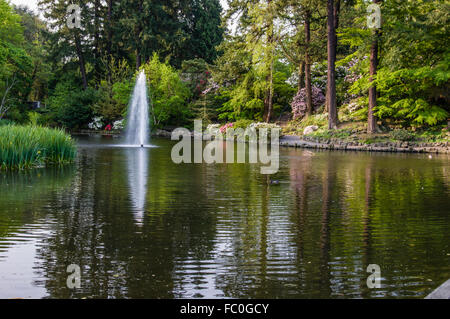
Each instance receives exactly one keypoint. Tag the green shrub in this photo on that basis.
(403, 135)
(242, 124)
(320, 120)
(4, 122)
(168, 94)
(71, 107)
(32, 146)
(327, 134)
(34, 118)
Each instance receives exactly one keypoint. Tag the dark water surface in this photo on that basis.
(140, 226)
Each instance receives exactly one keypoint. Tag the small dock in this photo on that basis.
(441, 292)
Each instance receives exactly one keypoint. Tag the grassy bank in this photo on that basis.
(357, 132)
(23, 147)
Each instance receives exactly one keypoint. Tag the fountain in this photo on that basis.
(137, 135)
(138, 127)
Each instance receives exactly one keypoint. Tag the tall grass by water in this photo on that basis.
(23, 147)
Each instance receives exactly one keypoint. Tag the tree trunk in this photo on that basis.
(309, 107)
(96, 29)
(268, 100)
(301, 69)
(97, 66)
(109, 28)
(109, 40)
(138, 31)
(331, 81)
(337, 10)
(371, 119)
(81, 60)
(138, 59)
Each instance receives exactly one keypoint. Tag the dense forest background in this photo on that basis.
(259, 60)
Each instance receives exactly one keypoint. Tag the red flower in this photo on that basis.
(108, 127)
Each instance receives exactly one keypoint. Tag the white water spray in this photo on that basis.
(138, 125)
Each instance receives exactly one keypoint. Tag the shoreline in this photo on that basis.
(309, 142)
(344, 145)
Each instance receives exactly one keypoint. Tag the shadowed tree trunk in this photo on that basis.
(301, 70)
(309, 108)
(109, 28)
(268, 100)
(109, 38)
(138, 34)
(336, 11)
(331, 82)
(81, 60)
(371, 119)
(138, 59)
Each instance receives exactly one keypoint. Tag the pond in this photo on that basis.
(140, 226)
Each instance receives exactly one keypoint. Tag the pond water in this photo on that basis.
(140, 226)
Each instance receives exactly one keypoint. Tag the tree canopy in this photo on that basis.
(261, 60)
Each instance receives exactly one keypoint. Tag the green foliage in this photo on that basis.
(196, 74)
(71, 107)
(24, 147)
(245, 100)
(403, 135)
(355, 110)
(11, 31)
(319, 120)
(5, 122)
(242, 124)
(413, 77)
(35, 31)
(297, 126)
(168, 94)
(327, 134)
(203, 31)
(35, 118)
(407, 94)
(114, 91)
(437, 134)
(15, 63)
(113, 100)
(244, 72)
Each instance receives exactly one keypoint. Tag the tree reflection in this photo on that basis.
(224, 231)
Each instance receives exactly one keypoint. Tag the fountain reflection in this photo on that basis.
(137, 168)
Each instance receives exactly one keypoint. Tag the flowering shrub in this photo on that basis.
(298, 104)
(353, 111)
(224, 128)
(211, 88)
(263, 125)
(212, 128)
(97, 123)
(351, 73)
(118, 125)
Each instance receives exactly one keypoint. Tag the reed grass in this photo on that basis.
(24, 147)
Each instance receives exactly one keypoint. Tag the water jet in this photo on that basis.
(138, 125)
